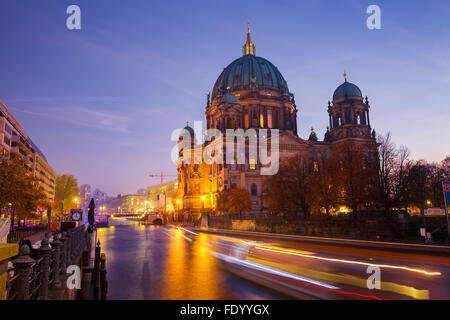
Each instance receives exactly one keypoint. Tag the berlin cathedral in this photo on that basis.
(251, 93)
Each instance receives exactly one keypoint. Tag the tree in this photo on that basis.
(235, 200)
(322, 191)
(286, 191)
(354, 172)
(66, 190)
(388, 155)
(20, 193)
(402, 167)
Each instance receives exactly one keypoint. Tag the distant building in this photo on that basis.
(15, 142)
(141, 192)
(133, 203)
(100, 197)
(85, 195)
(162, 197)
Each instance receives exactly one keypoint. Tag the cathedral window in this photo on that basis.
(232, 124)
(316, 166)
(254, 189)
(269, 119)
(252, 164)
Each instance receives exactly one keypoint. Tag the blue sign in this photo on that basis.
(446, 189)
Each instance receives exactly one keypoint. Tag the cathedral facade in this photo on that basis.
(251, 93)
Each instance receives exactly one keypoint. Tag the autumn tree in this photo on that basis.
(20, 193)
(354, 172)
(286, 191)
(66, 190)
(322, 191)
(235, 200)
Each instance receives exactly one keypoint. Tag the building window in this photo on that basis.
(246, 120)
(254, 189)
(261, 120)
(232, 124)
(6, 140)
(8, 129)
(275, 118)
(316, 166)
(252, 164)
(269, 119)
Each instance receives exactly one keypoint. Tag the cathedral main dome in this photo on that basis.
(249, 72)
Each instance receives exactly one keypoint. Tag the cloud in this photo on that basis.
(74, 114)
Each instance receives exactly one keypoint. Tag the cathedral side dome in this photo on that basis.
(347, 89)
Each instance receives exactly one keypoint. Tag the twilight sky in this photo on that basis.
(101, 102)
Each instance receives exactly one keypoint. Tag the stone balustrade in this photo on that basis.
(36, 271)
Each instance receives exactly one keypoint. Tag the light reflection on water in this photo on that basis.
(151, 262)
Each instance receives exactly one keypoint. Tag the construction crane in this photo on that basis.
(162, 176)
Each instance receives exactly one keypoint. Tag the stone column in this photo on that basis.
(44, 253)
(22, 267)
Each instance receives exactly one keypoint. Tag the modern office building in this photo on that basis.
(15, 142)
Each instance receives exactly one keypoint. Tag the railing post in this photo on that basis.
(63, 252)
(96, 272)
(103, 281)
(22, 267)
(68, 248)
(56, 244)
(44, 253)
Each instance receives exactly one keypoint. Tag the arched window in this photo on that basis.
(340, 121)
(358, 118)
(254, 189)
(232, 124)
(269, 119)
(246, 121)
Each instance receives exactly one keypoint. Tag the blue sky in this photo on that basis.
(101, 102)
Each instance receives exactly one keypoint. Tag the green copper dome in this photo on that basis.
(347, 89)
(249, 72)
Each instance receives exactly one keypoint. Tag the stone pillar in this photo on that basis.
(7, 251)
(56, 245)
(22, 267)
(44, 253)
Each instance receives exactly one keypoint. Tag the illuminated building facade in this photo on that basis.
(15, 142)
(251, 93)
